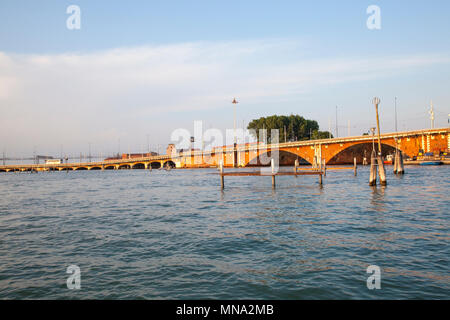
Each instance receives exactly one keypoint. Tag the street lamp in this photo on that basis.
(234, 130)
(234, 133)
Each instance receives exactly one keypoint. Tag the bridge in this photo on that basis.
(333, 151)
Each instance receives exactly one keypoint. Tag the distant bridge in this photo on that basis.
(333, 151)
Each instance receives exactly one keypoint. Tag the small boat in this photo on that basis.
(431, 163)
(389, 159)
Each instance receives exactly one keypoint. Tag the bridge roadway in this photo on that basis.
(330, 150)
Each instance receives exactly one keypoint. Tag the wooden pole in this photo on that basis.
(373, 170)
(324, 168)
(354, 166)
(272, 163)
(396, 160)
(320, 178)
(295, 167)
(400, 167)
(381, 171)
(377, 101)
(222, 182)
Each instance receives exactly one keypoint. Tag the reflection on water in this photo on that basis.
(141, 234)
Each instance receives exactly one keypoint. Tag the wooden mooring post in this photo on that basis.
(355, 167)
(295, 167)
(272, 163)
(373, 170)
(222, 184)
(400, 167)
(398, 162)
(381, 171)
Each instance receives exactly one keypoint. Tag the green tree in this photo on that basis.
(296, 127)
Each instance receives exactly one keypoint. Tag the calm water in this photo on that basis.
(173, 235)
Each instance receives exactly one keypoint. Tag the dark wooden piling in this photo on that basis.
(396, 161)
(222, 184)
(400, 165)
(373, 170)
(272, 164)
(381, 171)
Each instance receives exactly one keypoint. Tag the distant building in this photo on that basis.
(171, 150)
(138, 155)
(187, 150)
(131, 156)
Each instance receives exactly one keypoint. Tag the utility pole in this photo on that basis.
(432, 115)
(148, 144)
(395, 108)
(234, 133)
(329, 127)
(337, 133)
(234, 122)
(90, 157)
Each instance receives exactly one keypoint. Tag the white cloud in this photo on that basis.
(91, 96)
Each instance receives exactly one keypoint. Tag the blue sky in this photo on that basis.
(141, 68)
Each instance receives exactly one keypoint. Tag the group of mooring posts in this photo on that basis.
(320, 170)
(273, 173)
(376, 161)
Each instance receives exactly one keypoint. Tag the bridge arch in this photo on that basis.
(286, 157)
(359, 151)
(81, 168)
(95, 168)
(169, 163)
(124, 166)
(110, 167)
(139, 165)
(155, 165)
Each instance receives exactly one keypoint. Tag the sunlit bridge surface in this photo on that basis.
(174, 234)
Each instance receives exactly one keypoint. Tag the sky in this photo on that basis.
(137, 70)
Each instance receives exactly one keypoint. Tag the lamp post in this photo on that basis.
(376, 102)
(234, 125)
(373, 137)
(234, 134)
